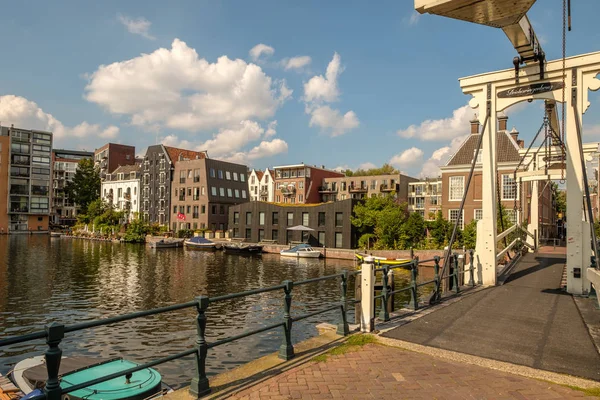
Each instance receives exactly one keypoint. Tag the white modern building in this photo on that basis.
(261, 185)
(122, 189)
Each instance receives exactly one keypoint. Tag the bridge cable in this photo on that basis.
(435, 296)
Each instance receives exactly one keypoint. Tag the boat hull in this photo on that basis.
(383, 260)
(243, 250)
(200, 247)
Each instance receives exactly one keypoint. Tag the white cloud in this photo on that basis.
(261, 49)
(327, 118)
(431, 167)
(137, 26)
(175, 88)
(407, 158)
(297, 63)
(228, 141)
(271, 129)
(441, 129)
(342, 168)
(27, 114)
(413, 19)
(367, 165)
(324, 88)
(263, 150)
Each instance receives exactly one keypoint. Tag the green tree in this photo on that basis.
(386, 169)
(413, 231)
(136, 231)
(469, 237)
(85, 186)
(381, 218)
(440, 230)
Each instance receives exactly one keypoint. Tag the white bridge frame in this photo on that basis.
(580, 77)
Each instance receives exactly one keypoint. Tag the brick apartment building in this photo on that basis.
(456, 171)
(110, 156)
(25, 180)
(425, 197)
(361, 187)
(299, 183)
(203, 190)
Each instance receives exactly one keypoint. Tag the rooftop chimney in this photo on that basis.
(515, 135)
(502, 120)
(474, 125)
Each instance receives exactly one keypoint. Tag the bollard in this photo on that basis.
(436, 273)
(343, 328)
(472, 269)
(367, 276)
(456, 272)
(383, 313)
(286, 351)
(413, 283)
(200, 386)
(54, 334)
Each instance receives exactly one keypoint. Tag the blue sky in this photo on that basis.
(333, 82)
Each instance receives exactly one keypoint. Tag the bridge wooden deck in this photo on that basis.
(528, 321)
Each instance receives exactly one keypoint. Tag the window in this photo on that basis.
(290, 218)
(196, 175)
(275, 234)
(339, 243)
(229, 192)
(248, 218)
(213, 190)
(339, 219)
(511, 215)
(212, 173)
(261, 235)
(242, 177)
(189, 209)
(196, 193)
(195, 213)
(213, 209)
(478, 214)
(261, 218)
(321, 239)
(222, 192)
(243, 193)
(300, 198)
(305, 218)
(220, 174)
(203, 191)
(222, 209)
(321, 219)
(301, 185)
(236, 232)
(509, 187)
(228, 175)
(248, 233)
(236, 217)
(182, 176)
(203, 209)
(237, 193)
(275, 217)
(457, 188)
(253, 180)
(235, 176)
(453, 216)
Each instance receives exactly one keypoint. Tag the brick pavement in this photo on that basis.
(382, 372)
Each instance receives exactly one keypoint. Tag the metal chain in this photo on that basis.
(564, 77)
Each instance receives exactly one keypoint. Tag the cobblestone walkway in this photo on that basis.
(382, 372)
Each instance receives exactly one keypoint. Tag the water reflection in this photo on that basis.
(44, 280)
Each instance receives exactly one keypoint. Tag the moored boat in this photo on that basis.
(166, 243)
(382, 260)
(242, 249)
(302, 251)
(29, 377)
(56, 234)
(200, 243)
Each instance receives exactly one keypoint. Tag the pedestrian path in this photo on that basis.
(382, 372)
(528, 321)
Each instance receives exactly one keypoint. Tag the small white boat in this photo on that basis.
(302, 251)
(200, 243)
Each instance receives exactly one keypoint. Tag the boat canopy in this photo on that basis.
(38, 375)
(298, 247)
(200, 240)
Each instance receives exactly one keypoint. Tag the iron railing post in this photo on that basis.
(436, 273)
(286, 351)
(471, 269)
(54, 334)
(413, 283)
(456, 272)
(343, 328)
(383, 313)
(200, 386)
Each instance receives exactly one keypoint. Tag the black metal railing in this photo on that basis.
(453, 277)
(55, 333)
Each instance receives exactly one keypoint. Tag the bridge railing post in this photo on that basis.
(343, 328)
(471, 269)
(456, 273)
(54, 335)
(383, 312)
(414, 271)
(200, 386)
(286, 351)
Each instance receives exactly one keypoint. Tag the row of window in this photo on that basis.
(457, 188)
(195, 211)
(453, 215)
(230, 192)
(194, 225)
(321, 218)
(320, 235)
(227, 175)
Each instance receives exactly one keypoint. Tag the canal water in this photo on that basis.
(44, 280)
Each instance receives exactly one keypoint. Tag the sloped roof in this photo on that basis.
(506, 148)
(174, 154)
(259, 175)
(126, 169)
